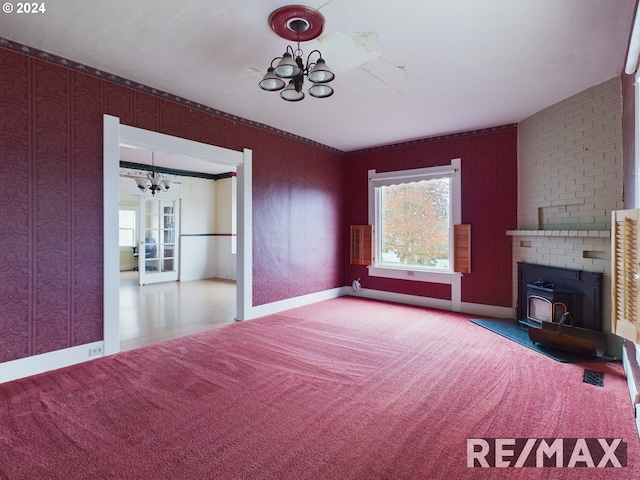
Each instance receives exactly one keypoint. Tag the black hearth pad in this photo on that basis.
(513, 330)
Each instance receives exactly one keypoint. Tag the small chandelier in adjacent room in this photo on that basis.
(298, 23)
(154, 181)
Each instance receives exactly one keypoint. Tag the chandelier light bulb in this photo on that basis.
(320, 90)
(271, 82)
(287, 68)
(291, 94)
(321, 73)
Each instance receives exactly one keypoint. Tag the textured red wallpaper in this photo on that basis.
(304, 198)
(489, 204)
(51, 212)
(16, 219)
(298, 234)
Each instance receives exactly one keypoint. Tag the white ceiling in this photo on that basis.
(406, 69)
(173, 161)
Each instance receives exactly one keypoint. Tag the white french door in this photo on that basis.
(159, 234)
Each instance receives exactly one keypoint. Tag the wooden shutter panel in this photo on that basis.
(462, 248)
(625, 271)
(361, 245)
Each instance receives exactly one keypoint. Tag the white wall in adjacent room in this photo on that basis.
(198, 223)
(226, 228)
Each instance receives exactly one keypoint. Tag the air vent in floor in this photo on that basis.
(593, 378)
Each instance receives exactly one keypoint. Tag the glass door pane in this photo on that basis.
(160, 241)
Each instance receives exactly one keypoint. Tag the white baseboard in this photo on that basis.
(226, 275)
(471, 308)
(282, 305)
(401, 298)
(45, 362)
(488, 310)
(632, 371)
(189, 277)
(36, 364)
(26, 367)
(205, 275)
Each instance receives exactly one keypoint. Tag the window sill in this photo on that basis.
(420, 276)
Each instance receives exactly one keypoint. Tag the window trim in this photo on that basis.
(424, 274)
(133, 208)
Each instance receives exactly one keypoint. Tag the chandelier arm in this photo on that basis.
(311, 64)
(277, 58)
(314, 51)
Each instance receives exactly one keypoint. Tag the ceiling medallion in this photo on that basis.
(297, 23)
(286, 23)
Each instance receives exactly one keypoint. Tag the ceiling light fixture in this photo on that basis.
(154, 181)
(297, 23)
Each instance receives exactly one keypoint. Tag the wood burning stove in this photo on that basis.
(545, 303)
(547, 296)
(545, 293)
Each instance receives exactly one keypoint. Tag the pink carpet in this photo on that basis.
(343, 389)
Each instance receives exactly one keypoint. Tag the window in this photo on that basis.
(413, 213)
(414, 224)
(127, 227)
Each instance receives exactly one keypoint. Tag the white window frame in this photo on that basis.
(424, 274)
(134, 209)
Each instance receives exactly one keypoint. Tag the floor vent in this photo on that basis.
(593, 378)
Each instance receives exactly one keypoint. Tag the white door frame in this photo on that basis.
(117, 135)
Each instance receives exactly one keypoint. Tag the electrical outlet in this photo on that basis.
(95, 351)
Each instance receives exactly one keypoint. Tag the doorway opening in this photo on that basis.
(117, 136)
(177, 248)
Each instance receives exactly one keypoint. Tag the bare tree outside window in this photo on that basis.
(415, 224)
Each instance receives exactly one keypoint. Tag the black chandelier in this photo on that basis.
(153, 181)
(290, 23)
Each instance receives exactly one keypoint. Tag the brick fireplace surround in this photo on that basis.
(569, 180)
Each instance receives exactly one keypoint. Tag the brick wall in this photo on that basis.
(569, 180)
(570, 162)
